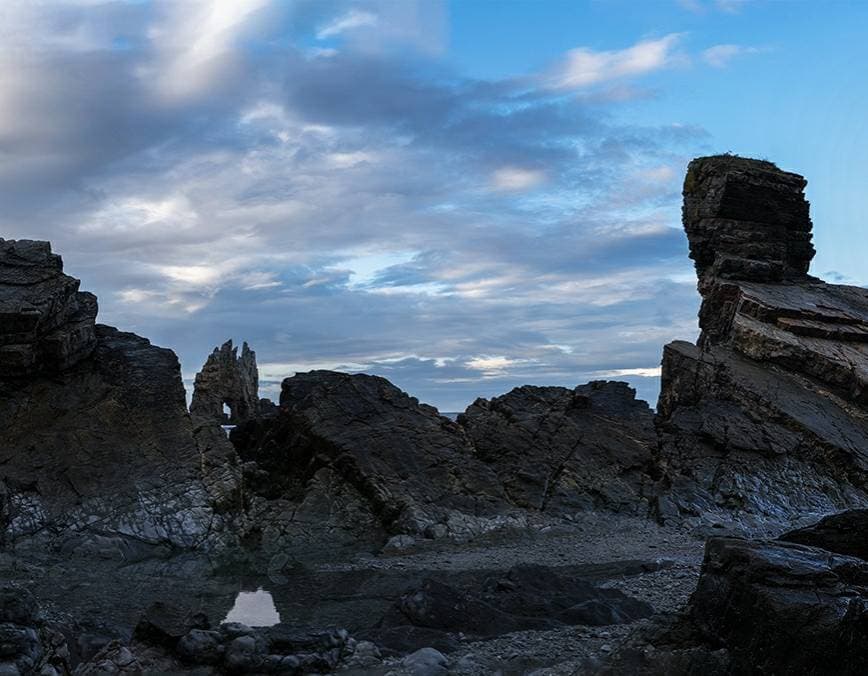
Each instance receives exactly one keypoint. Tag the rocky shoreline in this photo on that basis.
(545, 531)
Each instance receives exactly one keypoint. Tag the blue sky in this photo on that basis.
(462, 197)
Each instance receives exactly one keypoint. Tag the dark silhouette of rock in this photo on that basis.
(784, 608)
(46, 323)
(560, 449)
(359, 440)
(766, 418)
(228, 379)
(97, 442)
(519, 599)
(845, 533)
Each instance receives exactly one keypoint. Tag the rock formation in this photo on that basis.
(227, 379)
(565, 450)
(46, 323)
(765, 419)
(96, 441)
(395, 465)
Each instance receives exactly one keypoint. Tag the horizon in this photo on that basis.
(459, 200)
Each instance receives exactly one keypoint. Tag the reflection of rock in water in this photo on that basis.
(255, 609)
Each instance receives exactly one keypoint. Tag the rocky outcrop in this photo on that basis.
(765, 420)
(46, 323)
(353, 452)
(228, 379)
(97, 442)
(559, 450)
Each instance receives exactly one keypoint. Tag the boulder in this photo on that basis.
(559, 449)
(525, 597)
(764, 420)
(845, 533)
(780, 607)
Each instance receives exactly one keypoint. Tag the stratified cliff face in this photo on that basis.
(46, 323)
(95, 437)
(768, 415)
(227, 379)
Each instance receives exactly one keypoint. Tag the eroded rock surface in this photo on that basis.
(558, 449)
(46, 323)
(95, 442)
(228, 379)
(766, 417)
(356, 447)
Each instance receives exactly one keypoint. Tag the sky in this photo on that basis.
(462, 197)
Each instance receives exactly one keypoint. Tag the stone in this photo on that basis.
(564, 450)
(164, 624)
(227, 379)
(426, 662)
(844, 533)
(358, 439)
(200, 646)
(46, 323)
(96, 435)
(522, 598)
(764, 422)
(781, 607)
(115, 658)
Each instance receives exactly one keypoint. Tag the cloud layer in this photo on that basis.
(314, 178)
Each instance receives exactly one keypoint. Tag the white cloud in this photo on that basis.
(583, 67)
(350, 21)
(719, 56)
(196, 41)
(650, 372)
(516, 178)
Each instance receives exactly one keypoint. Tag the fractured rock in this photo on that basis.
(96, 441)
(46, 323)
(400, 461)
(227, 379)
(766, 417)
(560, 449)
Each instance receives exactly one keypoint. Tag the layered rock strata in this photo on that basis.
(766, 416)
(96, 440)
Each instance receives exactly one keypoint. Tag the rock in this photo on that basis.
(845, 533)
(165, 624)
(18, 605)
(780, 607)
(245, 654)
(228, 379)
(200, 646)
(426, 662)
(115, 658)
(764, 421)
(46, 323)
(98, 440)
(522, 598)
(359, 440)
(565, 450)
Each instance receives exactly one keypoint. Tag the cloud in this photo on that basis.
(361, 210)
(349, 21)
(720, 56)
(583, 67)
(516, 178)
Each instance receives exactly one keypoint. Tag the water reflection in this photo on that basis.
(228, 428)
(255, 609)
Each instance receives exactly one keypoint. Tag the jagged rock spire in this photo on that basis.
(227, 379)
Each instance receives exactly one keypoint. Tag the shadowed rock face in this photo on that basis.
(358, 438)
(227, 379)
(557, 449)
(97, 442)
(767, 416)
(46, 323)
